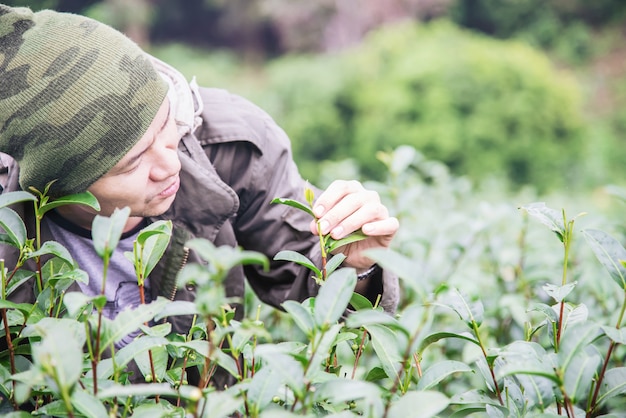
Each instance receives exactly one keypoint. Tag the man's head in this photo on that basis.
(75, 97)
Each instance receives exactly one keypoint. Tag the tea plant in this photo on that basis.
(495, 320)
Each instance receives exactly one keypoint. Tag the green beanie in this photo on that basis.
(75, 96)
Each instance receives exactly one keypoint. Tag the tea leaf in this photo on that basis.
(334, 263)
(290, 371)
(220, 404)
(84, 198)
(294, 204)
(616, 335)
(14, 227)
(430, 404)
(385, 344)
(128, 321)
(295, 257)
(609, 252)
(469, 312)
(333, 244)
(264, 385)
(558, 293)
(368, 317)
(333, 297)
(344, 390)
(88, 405)
(126, 354)
(322, 344)
(106, 231)
(7, 199)
(614, 384)
(577, 362)
(54, 248)
(177, 308)
(360, 302)
(302, 317)
(439, 371)
(138, 389)
(434, 337)
(551, 218)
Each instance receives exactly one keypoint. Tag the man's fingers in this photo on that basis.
(383, 227)
(337, 191)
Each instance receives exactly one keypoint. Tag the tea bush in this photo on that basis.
(485, 107)
(509, 309)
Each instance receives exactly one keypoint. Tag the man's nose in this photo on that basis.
(165, 163)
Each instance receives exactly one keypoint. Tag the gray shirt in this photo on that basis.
(121, 289)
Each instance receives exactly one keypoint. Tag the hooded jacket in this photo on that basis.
(235, 160)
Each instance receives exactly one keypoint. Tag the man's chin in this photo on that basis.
(160, 208)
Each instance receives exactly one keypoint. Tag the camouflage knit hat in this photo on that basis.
(75, 96)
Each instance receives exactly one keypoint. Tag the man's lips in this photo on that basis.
(171, 189)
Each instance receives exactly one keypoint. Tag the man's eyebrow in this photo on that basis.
(135, 157)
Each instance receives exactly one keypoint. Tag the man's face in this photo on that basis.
(146, 178)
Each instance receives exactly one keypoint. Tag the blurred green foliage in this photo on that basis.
(484, 107)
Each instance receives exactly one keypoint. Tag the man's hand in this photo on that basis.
(345, 207)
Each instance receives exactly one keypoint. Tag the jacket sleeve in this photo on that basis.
(255, 159)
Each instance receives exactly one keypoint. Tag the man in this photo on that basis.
(82, 105)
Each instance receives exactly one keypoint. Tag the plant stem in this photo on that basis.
(11, 349)
(323, 250)
(358, 353)
(204, 379)
(493, 375)
(567, 239)
(612, 345)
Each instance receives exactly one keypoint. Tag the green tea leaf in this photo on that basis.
(334, 263)
(56, 249)
(469, 312)
(88, 405)
(385, 344)
(106, 231)
(559, 293)
(7, 199)
(290, 371)
(551, 218)
(356, 236)
(613, 384)
(159, 360)
(294, 204)
(439, 371)
(578, 364)
(84, 198)
(302, 316)
(264, 386)
(153, 241)
(368, 317)
(360, 302)
(136, 389)
(220, 405)
(126, 354)
(333, 297)
(615, 334)
(609, 252)
(338, 391)
(323, 343)
(437, 336)
(14, 227)
(128, 321)
(430, 404)
(177, 308)
(295, 257)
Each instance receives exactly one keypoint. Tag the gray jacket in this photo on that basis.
(235, 160)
